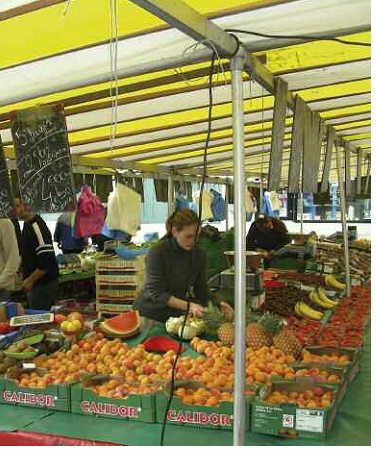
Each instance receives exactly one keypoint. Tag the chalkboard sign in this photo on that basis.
(43, 159)
(6, 199)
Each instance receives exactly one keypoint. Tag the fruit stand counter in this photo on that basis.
(351, 428)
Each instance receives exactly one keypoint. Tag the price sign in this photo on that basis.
(6, 198)
(32, 319)
(43, 159)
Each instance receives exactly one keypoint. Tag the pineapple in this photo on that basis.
(226, 333)
(257, 336)
(260, 333)
(285, 340)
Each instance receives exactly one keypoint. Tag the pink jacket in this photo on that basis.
(90, 214)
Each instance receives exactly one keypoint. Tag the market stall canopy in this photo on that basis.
(60, 52)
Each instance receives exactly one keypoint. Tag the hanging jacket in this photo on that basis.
(207, 213)
(268, 209)
(218, 206)
(275, 201)
(90, 214)
(124, 210)
(115, 234)
(181, 203)
(250, 202)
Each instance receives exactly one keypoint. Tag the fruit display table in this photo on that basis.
(352, 426)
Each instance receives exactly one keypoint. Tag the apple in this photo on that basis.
(77, 324)
(59, 318)
(318, 392)
(71, 326)
(76, 316)
(64, 324)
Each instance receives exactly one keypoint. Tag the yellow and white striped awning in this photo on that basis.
(56, 51)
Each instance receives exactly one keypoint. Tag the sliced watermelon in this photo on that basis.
(123, 325)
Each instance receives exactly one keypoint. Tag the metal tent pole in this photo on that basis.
(226, 200)
(261, 206)
(237, 65)
(170, 195)
(343, 219)
(301, 210)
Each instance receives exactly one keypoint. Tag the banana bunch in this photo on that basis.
(319, 298)
(331, 281)
(303, 310)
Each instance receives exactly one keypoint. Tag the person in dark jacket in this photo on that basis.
(39, 266)
(267, 234)
(175, 273)
(64, 234)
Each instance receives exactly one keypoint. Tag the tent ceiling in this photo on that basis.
(163, 96)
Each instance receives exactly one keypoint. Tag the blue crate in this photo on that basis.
(9, 338)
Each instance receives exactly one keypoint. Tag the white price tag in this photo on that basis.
(310, 420)
(288, 421)
(28, 366)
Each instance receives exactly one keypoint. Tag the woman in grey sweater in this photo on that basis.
(175, 273)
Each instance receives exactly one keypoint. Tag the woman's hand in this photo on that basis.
(227, 311)
(197, 310)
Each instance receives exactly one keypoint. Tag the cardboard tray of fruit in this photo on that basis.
(193, 405)
(334, 356)
(321, 373)
(34, 388)
(112, 397)
(296, 408)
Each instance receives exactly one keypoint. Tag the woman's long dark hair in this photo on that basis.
(181, 219)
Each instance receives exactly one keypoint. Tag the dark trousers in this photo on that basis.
(43, 296)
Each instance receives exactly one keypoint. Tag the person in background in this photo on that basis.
(267, 234)
(176, 273)
(17, 230)
(64, 234)
(9, 258)
(39, 266)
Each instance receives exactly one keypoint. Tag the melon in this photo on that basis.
(126, 324)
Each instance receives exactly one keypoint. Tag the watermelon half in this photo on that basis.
(124, 325)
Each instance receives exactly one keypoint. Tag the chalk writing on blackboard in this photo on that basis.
(43, 159)
(6, 198)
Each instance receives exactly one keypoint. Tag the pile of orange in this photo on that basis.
(261, 364)
(205, 397)
(319, 374)
(134, 365)
(316, 398)
(337, 358)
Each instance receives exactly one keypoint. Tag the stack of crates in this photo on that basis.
(118, 283)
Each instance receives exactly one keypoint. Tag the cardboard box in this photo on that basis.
(219, 417)
(53, 397)
(288, 419)
(354, 365)
(134, 407)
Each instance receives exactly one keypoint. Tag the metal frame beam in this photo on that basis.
(181, 16)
